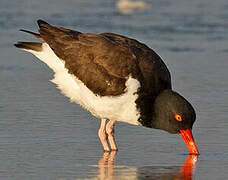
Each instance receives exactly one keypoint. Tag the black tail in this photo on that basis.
(33, 33)
(40, 22)
(29, 46)
(43, 25)
(35, 46)
(46, 30)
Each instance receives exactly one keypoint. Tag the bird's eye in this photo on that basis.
(178, 117)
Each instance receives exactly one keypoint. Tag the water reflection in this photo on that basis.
(107, 170)
(184, 172)
(106, 165)
(188, 168)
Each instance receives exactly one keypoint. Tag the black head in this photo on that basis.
(172, 112)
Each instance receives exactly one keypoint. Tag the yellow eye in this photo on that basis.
(178, 117)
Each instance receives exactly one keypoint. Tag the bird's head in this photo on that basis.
(173, 113)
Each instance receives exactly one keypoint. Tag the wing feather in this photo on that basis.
(104, 61)
(102, 65)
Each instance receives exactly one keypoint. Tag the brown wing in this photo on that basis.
(100, 63)
(104, 61)
(154, 73)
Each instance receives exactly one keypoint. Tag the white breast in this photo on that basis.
(120, 108)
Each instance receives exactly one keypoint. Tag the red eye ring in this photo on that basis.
(178, 117)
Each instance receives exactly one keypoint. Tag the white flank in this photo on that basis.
(120, 108)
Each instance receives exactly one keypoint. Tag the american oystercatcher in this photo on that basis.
(114, 77)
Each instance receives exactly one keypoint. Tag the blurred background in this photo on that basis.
(44, 136)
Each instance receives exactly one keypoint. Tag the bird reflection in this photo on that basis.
(184, 172)
(188, 169)
(106, 165)
(108, 170)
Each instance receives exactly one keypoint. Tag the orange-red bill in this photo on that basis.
(189, 140)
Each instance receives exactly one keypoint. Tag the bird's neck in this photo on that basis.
(151, 116)
(148, 118)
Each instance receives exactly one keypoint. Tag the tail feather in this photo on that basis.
(43, 25)
(47, 31)
(35, 46)
(33, 33)
(41, 22)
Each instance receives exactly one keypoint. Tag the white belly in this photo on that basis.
(120, 108)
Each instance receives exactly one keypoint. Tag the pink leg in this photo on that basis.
(110, 133)
(103, 135)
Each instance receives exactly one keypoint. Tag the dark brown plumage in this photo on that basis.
(29, 45)
(103, 63)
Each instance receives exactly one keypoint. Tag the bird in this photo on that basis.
(128, 7)
(115, 78)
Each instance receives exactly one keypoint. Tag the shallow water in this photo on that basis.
(44, 136)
